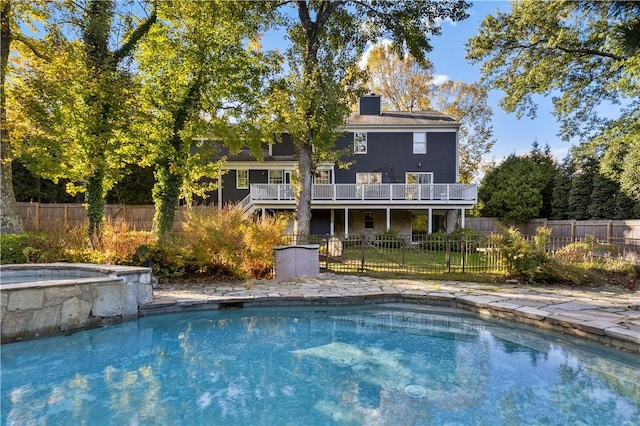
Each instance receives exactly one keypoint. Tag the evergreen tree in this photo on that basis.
(561, 190)
(602, 203)
(581, 189)
(547, 168)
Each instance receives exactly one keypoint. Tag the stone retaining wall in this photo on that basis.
(65, 297)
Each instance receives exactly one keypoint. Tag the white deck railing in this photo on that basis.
(349, 192)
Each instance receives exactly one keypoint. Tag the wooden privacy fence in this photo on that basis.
(572, 230)
(49, 217)
(36, 216)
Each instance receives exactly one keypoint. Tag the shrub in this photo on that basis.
(227, 240)
(389, 239)
(587, 250)
(522, 258)
(438, 240)
(30, 247)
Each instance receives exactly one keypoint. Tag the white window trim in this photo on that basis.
(328, 172)
(238, 179)
(355, 145)
(269, 179)
(420, 141)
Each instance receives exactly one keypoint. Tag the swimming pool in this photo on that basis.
(385, 364)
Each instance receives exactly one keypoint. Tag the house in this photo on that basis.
(403, 176)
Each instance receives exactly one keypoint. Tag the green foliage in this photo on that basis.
(134, 188)
(201, 73)
(14, 246)
(524, 259)
(389, 239)
(31, 187)
(529, 261)
(585, 54)
(586, 250)
(561, 189)
(71, 108)
(520, 188)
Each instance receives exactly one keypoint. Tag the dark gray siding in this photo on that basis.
(285, 147)
(370, 105)
(392, 155)
(229, 191)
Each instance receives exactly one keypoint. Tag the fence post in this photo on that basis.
(448, 253)
(362, 252)
(327, 252)
(66, 216)
(462, 250)
(37, 216)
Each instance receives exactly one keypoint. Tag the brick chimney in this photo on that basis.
(370, 105)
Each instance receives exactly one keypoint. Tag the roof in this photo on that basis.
(402, 119)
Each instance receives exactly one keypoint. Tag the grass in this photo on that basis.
(412, 260)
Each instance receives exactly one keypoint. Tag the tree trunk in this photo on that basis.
(302, 225)
(95, 204)
(166, 196)
(9, 215)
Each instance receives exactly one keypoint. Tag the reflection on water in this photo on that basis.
(370, 366)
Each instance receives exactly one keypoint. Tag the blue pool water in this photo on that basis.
(374, 365)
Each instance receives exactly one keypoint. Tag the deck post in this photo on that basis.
(346, 221)
(462, 217)
(332, 224)
(388, 218)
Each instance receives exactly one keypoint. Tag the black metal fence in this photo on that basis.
(432, 254)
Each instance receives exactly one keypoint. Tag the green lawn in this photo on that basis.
(411, 260)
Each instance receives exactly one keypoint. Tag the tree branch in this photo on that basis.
(135, 36)
(32, 46)
(580, 51)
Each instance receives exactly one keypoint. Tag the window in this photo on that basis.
(359, 143)
(276, 176)
(368, 220)
(368, 178)
(419, 143)
(322, 177)
(242, 179)
(415, 177)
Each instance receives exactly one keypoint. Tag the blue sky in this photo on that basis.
(512, 135)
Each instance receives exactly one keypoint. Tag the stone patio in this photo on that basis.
(608, 315)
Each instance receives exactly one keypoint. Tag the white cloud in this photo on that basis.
(439, 21)
(439, 79)
(365, 55)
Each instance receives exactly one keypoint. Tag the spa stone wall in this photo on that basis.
(59, 302)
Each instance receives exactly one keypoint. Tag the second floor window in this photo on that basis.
(416, 177)
(360, 143)
(242, 179)
(419, 143)
(276, 176)
(368, 178)
(321, 177)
